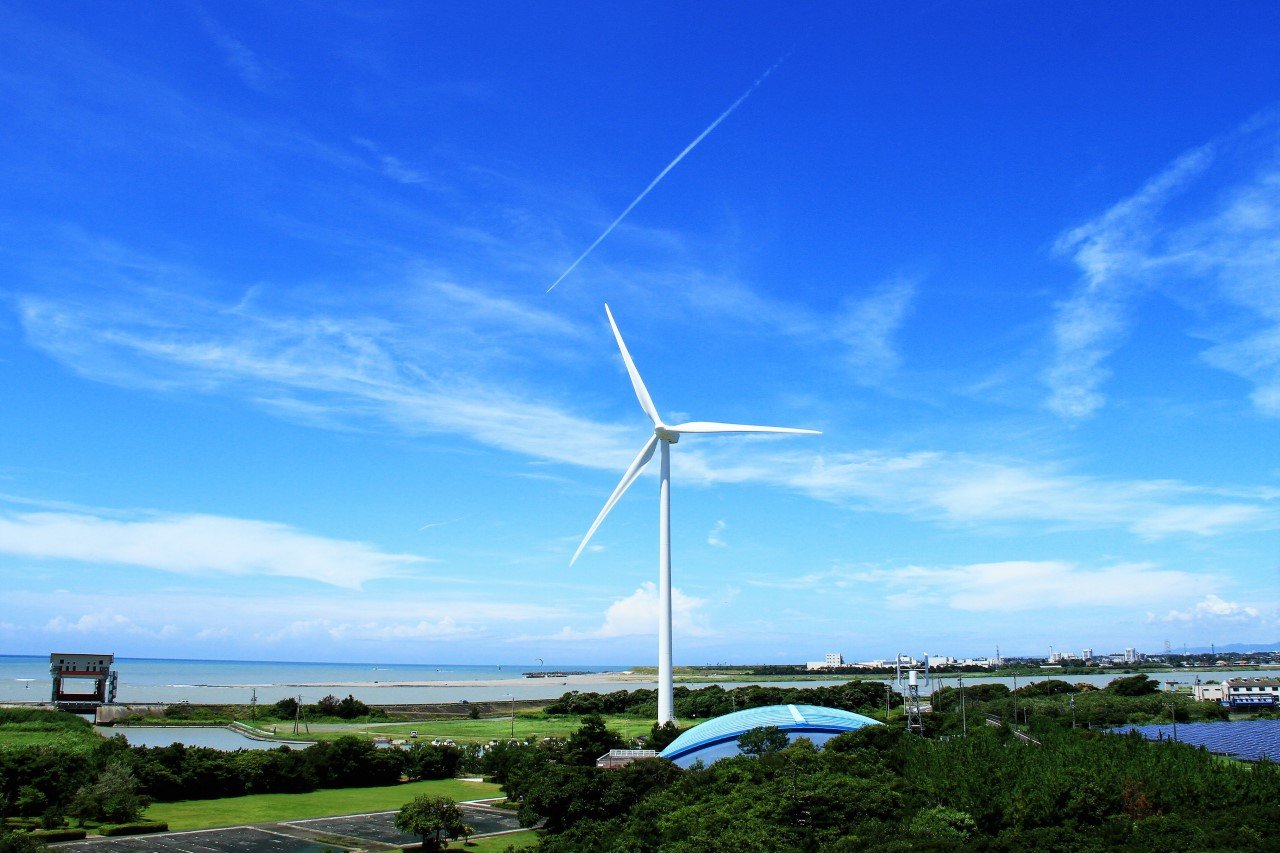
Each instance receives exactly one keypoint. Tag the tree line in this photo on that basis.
(702, 703)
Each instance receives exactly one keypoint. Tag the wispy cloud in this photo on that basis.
(336, 371)
(239, 58)
(867, 327)
(716, 537)
(391, 166)
(333, 370)
(1215, 250)
(107, 623)
(1114, 254)
(1015, 585)
(199, 545)
(981, 490)
(377, 630)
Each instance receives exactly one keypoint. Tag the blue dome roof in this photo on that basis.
(718, 738)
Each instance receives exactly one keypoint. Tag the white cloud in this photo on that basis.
(867, 327)
(198, 544)
(1112, 252)
(107, 623)
(971, 489)
(638, 614)
(238, 57)
(1213, 607)
(379, 630)
(337, 371)
(715, 537)
(1216, 252)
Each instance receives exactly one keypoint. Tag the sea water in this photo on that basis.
(153, 680)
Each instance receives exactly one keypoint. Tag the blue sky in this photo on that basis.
(281, 378)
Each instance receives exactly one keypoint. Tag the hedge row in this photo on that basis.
(139, 828)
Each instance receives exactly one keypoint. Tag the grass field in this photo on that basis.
(485, 730)
(498, 843)
(21, 727)
(259, 808)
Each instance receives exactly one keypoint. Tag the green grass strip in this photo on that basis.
(262, 808)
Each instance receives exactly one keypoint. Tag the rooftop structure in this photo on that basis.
(718, 738)
(623, 757)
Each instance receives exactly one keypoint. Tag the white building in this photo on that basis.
(833, 659)
(1130, 656)
(1251, 692)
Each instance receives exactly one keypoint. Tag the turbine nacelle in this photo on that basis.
(666, 434)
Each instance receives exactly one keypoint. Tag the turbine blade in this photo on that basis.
(713, 428)
(642, 393)
(642, 459)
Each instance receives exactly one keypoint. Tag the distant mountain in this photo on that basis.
(1236, 648)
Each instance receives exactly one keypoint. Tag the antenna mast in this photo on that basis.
(910, 690)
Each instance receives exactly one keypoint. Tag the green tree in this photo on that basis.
(436, 819)
(662, 734)
(1133, 685)
(590, 741)
(111, 798)
(763, 740)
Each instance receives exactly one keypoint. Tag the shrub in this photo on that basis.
(139, 828)
(59, 834)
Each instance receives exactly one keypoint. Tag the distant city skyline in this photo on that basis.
(280, 377)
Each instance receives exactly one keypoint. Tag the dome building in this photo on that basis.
(718, 738)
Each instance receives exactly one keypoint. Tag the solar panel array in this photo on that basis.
(1251, 740)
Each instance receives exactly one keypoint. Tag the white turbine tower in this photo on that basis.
(665, 436)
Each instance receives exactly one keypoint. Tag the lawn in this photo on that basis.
(21, 727)
(260, 808)
(497, 843)
(492, 728)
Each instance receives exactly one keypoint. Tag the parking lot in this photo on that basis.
(347, 832)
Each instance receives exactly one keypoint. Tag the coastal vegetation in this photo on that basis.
(885, 789)
(865, 697)
(968, 783)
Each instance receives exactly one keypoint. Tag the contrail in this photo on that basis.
(692, 145)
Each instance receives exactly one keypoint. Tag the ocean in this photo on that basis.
(26, 678)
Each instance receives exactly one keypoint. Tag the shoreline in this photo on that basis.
(586, 678)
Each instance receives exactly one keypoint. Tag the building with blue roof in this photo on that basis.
(718, 738)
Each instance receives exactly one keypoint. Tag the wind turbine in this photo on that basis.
(663, 436)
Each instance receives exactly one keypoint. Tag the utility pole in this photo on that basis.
(1072, 702)
(253, 705)
(513, 716)
(964, 720)
(1015, 700)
